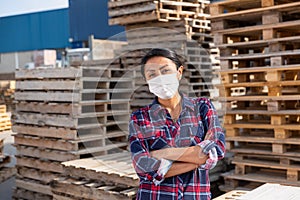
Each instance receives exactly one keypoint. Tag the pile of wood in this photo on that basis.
(103, 177)
(66, 114)
(7, 91)
(5, 172)
(259, 43)
(179, 25)
(5, 122)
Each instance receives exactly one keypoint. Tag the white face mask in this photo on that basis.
(164, 86)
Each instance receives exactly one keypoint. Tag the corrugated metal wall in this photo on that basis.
(90, 17)
(42, 30)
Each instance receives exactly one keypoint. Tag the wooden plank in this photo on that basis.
(263, 126)
(44, 177)
(112, 4)
(52, 132)
(21, 194)
(88, 191)
(101, 149)
(261, 112)
(115, 168)
(48, 96)
(283, 25)
(55, 108)
(45, 119)
(262, 98)
(50, 166)
(261, 55)
(281, 142)
(260, 69)
(34, 186)
(45, 154)
(133, 18)
(262, 177)
(273, 191)
(45, 143)
(49, 85)
(71, 73)
(255, 11)
(261, 151)
(133, 9)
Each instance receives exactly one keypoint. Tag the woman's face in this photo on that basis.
(160, 66)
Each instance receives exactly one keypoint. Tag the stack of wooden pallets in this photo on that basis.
(5, 123)
(103, 177)
(5, 172)
(179, 25)
(259, 43)
(128, 12)
(66, 114)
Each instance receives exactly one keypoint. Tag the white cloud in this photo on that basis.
(17, 7)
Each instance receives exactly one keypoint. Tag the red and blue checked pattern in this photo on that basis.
(151, 128)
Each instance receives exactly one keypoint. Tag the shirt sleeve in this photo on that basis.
(213, 144)
(145, 166)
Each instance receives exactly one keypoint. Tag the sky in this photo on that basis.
(17, 7)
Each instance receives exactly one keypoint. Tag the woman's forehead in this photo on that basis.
(159, 61)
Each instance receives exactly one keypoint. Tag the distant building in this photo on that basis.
(58, 29)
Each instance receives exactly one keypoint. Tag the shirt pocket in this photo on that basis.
(157, 140)
(185, 137)
(198, 135)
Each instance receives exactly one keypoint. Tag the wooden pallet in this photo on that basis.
(68, 188)
(35, 187)
(246, 8)
(247, 163)
(44, 177)
(115, 168)
(126, 13)
(255, 179)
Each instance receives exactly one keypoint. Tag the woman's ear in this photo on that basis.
(180, 71)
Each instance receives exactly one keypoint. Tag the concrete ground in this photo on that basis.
(6, 187)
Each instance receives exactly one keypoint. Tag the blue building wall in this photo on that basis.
(90, 17)
(42, 30)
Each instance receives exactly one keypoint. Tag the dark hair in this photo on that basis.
(167, 53)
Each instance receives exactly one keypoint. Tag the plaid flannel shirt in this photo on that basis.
(151, 128)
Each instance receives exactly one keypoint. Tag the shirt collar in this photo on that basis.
(186, 103)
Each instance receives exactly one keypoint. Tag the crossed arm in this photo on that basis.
(186, 159)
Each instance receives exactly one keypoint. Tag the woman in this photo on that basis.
(175, 140)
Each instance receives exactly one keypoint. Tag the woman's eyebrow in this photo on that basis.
(161, 67)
